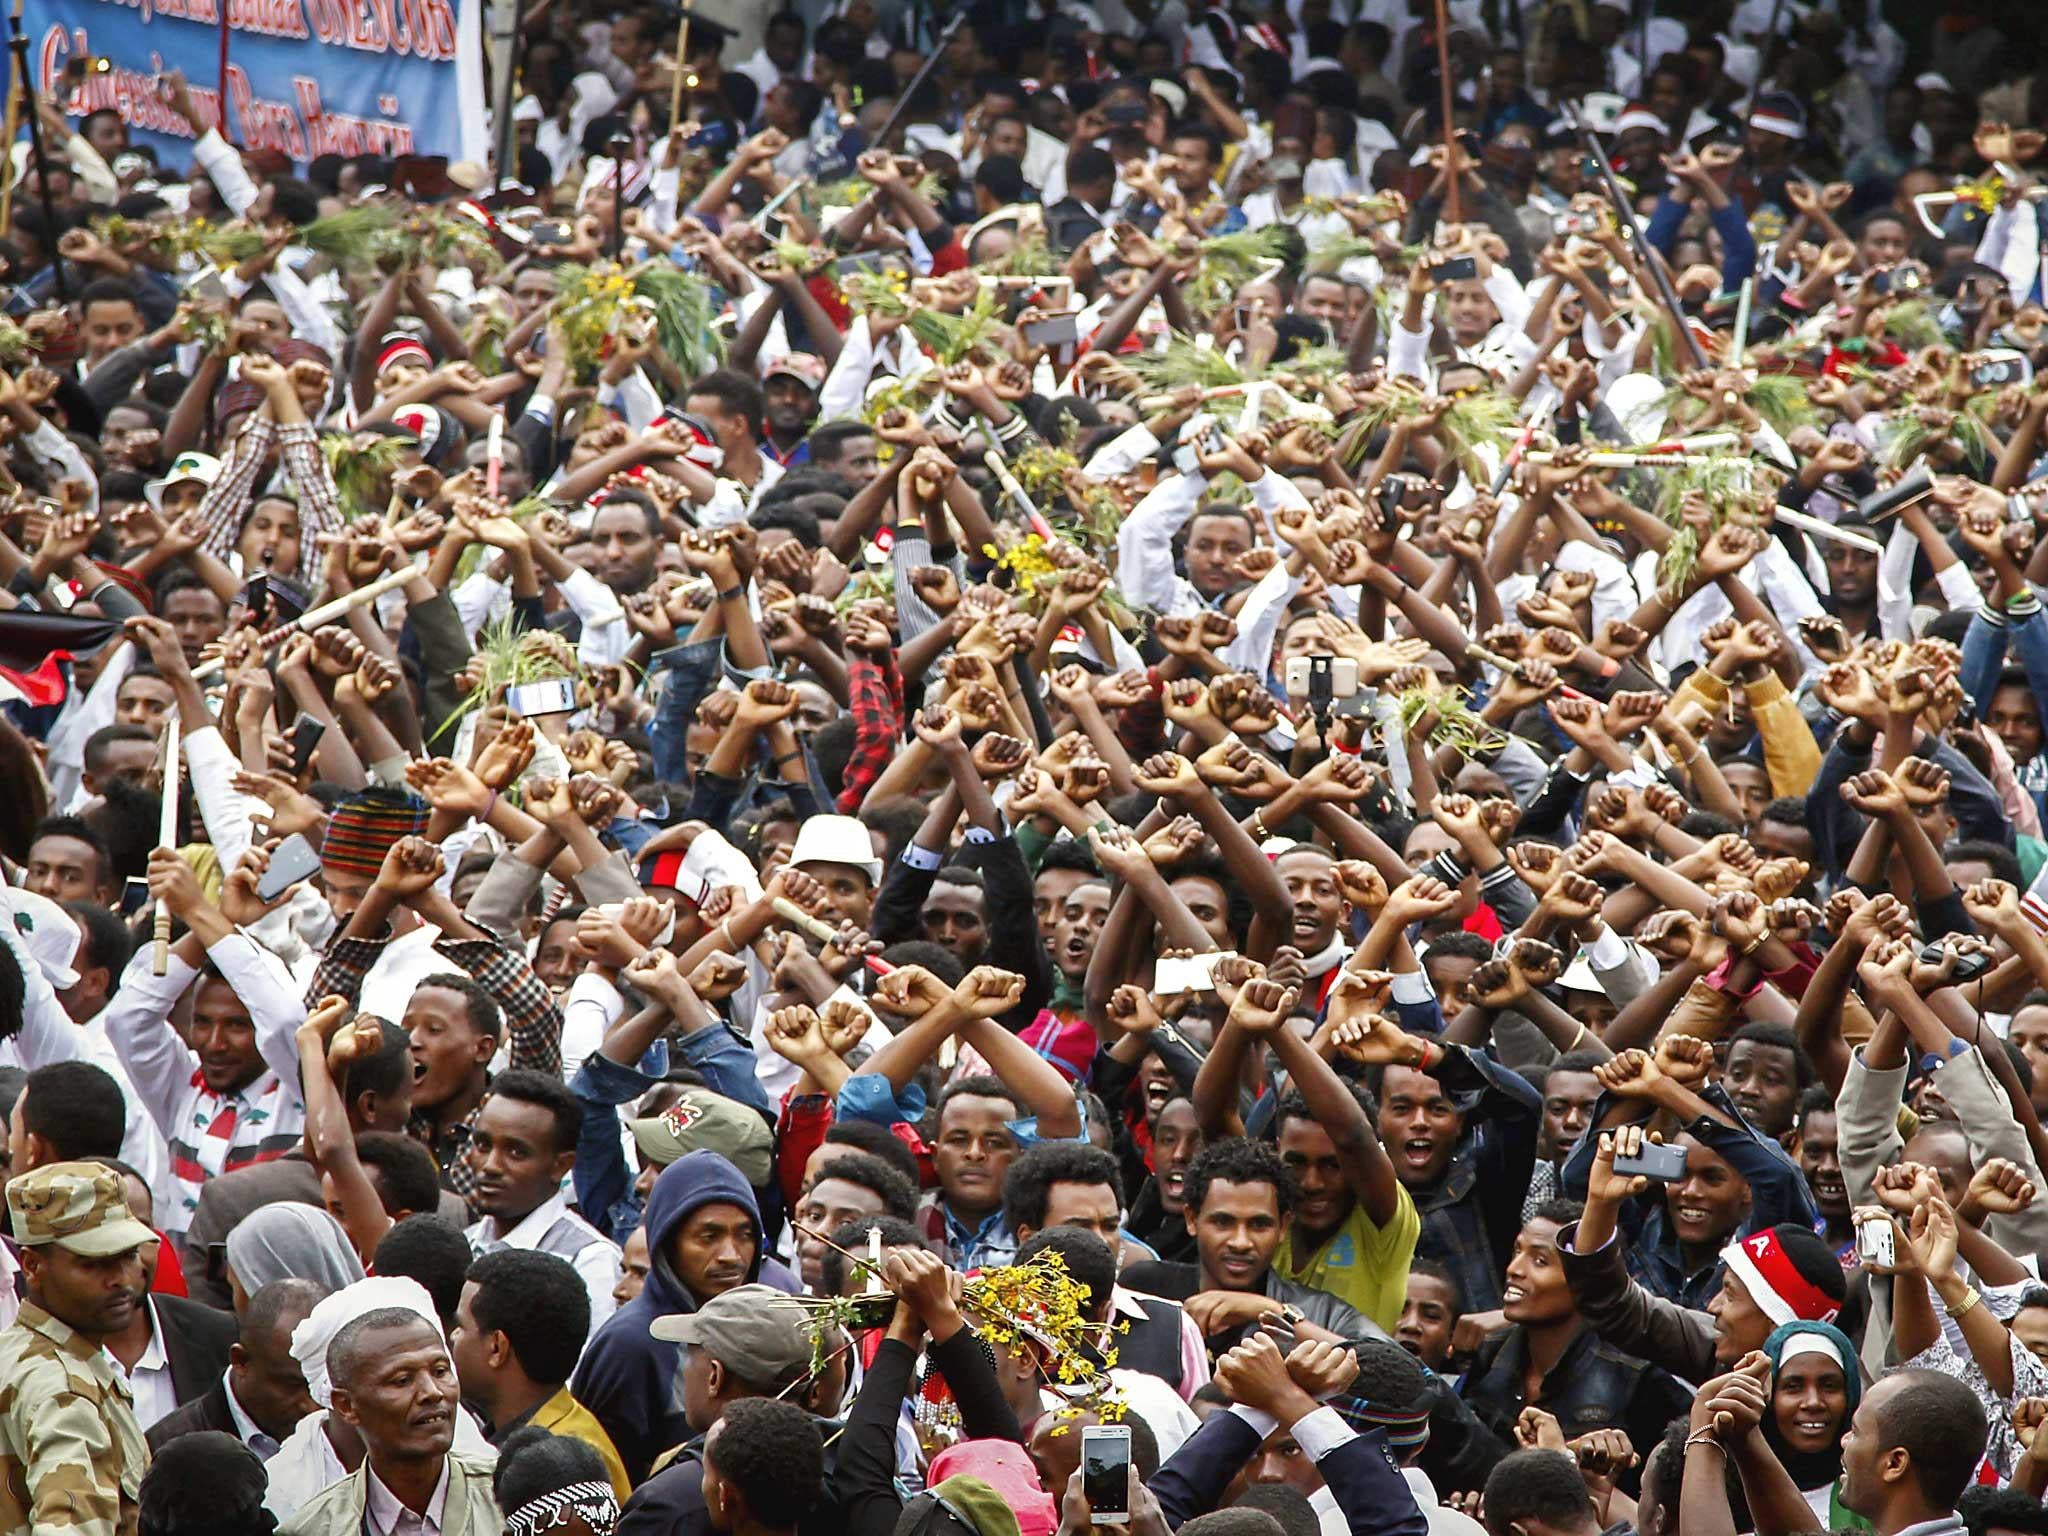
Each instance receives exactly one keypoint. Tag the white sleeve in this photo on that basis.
(1144, 545)
(592, 1007)
(266, 990)
(138, 1020)
(309, 317)
(1258, 620)
(1272, 491)
(225, 812)
(599, 1264)
(664, 191)
(846, 386)
(222, 163)
(475, 599)
(51, 448)
(591, 600)
(1407, 352)
(47, 1033)
(1121, 453)
(1510, 299)
(1321, 1432)
(635, 399)
(1614, 590)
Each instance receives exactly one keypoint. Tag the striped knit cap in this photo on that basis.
(364, 826)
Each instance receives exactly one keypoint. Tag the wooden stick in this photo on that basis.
(1632, 460)
(167, 837)
(1453, 203)
(675, 94)
(1008, 481)
(1827, 530)
(314, 618)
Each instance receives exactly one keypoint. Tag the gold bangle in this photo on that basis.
(1755, 944)
(1259, 827)
(1970, 1299)
(1577, 1040)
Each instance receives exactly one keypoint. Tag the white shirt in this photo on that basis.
(596, 1263)
(246, 1428)
(150, 1377)
(383, 1514)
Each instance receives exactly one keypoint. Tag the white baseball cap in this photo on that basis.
(50, 933)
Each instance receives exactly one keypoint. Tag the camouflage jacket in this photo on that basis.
(71, 1452)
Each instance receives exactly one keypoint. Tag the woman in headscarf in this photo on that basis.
(288, 1241)
(1815, 1385)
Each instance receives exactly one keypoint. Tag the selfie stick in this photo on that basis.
(314, 618)
(167, 837)
(1597, 153)
(17, 40)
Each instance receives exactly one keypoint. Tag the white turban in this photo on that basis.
(310, 1340)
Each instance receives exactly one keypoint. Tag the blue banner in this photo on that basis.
(303, 77)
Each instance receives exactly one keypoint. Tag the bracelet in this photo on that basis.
(1577, 1040)
(729, 594)
(1970, 1299)
(1258, 828)
(1755, 944)
(1705, 1437)
(725, 933)
(490, 805)
(787, 756)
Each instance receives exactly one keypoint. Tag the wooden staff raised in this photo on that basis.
(167, 837)
(314, 618)
(1453, 203)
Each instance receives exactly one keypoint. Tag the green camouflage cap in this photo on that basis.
(79, 1206)
(703, 1119)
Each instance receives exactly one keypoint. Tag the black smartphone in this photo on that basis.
(1458, 269)
(295, 859)
(306, 736)
(1656, 1161)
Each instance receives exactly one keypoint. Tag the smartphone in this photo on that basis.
(1666, 1164)
(134, 895)
(1994, 372)
(296, 859)
(1173, 975)
(1333, 677)
(554, 696)
(1969, 966)
(1106, 1472)
(551, 232)
(1053, 331)
(1873, 1244)
(1126, 114)
(1459, 269)
(1896, 280)
(306, 734)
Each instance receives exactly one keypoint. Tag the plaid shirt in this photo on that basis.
(874, 692)
(304, 465)
(532, 1022)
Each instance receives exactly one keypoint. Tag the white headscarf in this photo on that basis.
(310, 1340)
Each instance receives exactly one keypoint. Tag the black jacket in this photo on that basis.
(1592, 1386)
(1013, 941)
(1361, 1474)
(196, 1343)
(208, 1412)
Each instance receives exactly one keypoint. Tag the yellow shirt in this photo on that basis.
(1361, 1264)
(563, 1415)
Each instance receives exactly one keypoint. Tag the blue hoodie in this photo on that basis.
(630, 1379)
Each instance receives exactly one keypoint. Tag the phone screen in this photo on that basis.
(1106, 1471)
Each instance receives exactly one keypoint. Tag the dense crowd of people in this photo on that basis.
(1009, 772)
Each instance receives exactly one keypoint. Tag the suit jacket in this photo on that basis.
(196, 1343)
(338, 1510)
(1361, 1474)
(208, 1412)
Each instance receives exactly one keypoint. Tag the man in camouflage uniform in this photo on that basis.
(71, 1452)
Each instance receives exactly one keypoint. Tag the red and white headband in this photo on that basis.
(1774, 1283)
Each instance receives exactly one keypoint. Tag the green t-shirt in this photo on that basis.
(1361, 1264)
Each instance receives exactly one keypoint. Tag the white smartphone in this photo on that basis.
(1874, 1243)
(552, 696)
(1106, 1472)
(1173, 975)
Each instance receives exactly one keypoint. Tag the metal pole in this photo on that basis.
(1597, 152)
(1452, 173)
(18, 41)
(507, 22)
(881, 139)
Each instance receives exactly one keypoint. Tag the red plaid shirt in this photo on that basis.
(874, 697)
